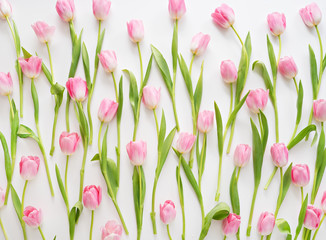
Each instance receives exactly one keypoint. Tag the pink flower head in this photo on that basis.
(77, 88)
(111, 231)
(323, 202)
(300, 175)
(199, 43)
(5, 9)
(137, 152)
(5, 84)
(229, 71)
(135, 30)
(312, 218)
(28, 167)
(43, 31)
(177, 8)
(184, 142)
(205, 121)
(257, 100)
(108, 60)
(151, 97)
(279, 154)
(92, 197)
(266, 223)
(242, 155)
(223, 16)
(2, 197)
(107, 110)
(101, 9)
(311, 15)
(68, 142)
(287, 67)
(167, 212)
(319, 107)
(31, 67)
(277, 23)
(66, 9)
(231, 224)
(32, 217)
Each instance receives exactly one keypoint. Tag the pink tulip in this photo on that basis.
(228, 71)
(300, 175)
(32, 217)
(184, 142)
(266, 223)
(177, 8)
(319, 107)
(68, 142)
(31, 67)
(279, 154)
(323, 202)
(311, 15)
(111, 231)
(199, 43)
(312, 218)
(231, 224)
(92, 197)
(223, 16)
(151, 97)
(137, 152)
(135, 30)
(101, 9)
(66, 9)
(28, 167)
(257, 100)
(77, 88)
(167, 212)
(5, 9)
(205, 121)
(107, 110)
(108, 60)
(287, 67)
(43, 31)
(5, 84)
(277, 23)
(2, 197)
(242, 155)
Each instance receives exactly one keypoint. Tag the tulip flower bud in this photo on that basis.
(31, 67)
(108, 60)
(241, 155)
(319, 108)
(205, 121)
(28, 167)
(277, 23)
(151, 97)
(300, 175)
(77, 88)
(5, 84)
(257, 100)
(32, 217)
(137, 152)
(135, 30)
(107, 110)
(5, 9)
(111, 230)
(279, 154)
(2, 197)
(199, 43)
(323, 202)
(92, 197)
(311, 15)
(266, 223)
(312, 218)
(43, 31)
(68, 142)
(66, 9)
(177, 8)
(167, 212)
(101, 9)
(287, 67)
(223, 16)
(184, 142)
(231, 224)
(228, 71)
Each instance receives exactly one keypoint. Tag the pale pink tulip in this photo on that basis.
(5, 84)
(108, 60)
(111, 231)
(167, 212)
(151, 97)
(2, 197)
(277, 23)
(266, 223)
(28, 167)
(229, 71)
(241, 155)
(32, 217)
(177, 8)
(231, 224)
(287, 67)
(92, 197)
(66, 9)
(323, 202)
(312, 218)
(280, 154)
(68, 142)
(184, 142)
(199, 43)
(205, 121)
(31, 67)
(311, 15)
(223, 16)
(107, 110)
(319, 107)
(257, 100)
(101, 9)
(77, 88)
(43, 31)
(137, 152)
(135, 30)
(5, 9)
(300, 175)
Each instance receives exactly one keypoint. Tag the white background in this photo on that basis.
(250, 16)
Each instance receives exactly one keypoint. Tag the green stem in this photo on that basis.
(321, 58)
(3, 230)
(217, 195)
(231, 100)
(202, 212)
(53, 130)
(91, 227)
(192, 61)
(23, 197)
(156, 123)
(237, 35)
(279, 200)
(66, 184)
(260, 124)
(181, 200)
(118, 154)
(115, 87)
(153, 205)
(168, 230)
(301, 195)
(141, 65)
(252, 211)
(238, 174)
(141, 204)
(120, 216)
(279, 49)
(296, 85)
(40, 230)
(224, 237)
(262, 237)
(82, 171)
(276, 119)
(270, 178)
(11, 108)
(67, 112)
(231, 137)
(50, 59)
(99, 140)
(321, 221)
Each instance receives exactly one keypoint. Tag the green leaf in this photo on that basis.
(57, 89)
(26, 54)
(175, 48)
(148, 71)
(98, 49)
(120, 107)
(203, 155)
(234, 195)
(242, 74)
(272, 59)
(219, 128)
(83, 125)
(166, 146)
(139, 198)
(320, 150)
(6, 157)
(324, 64)
(235, 111)
(133, 92)
(96, 157)
(199, 90)
(35, 101)
(258, 153)
(261, 68)
(264, 136)
(248, 45)
(164, 69)
(286, 182)
(74, 215)
(85, 58)
(61, 186)
(284, 227)
(26, 132)
(162, 131)
(320, 173)
(299, 103)
(301, 217)
(313, 72)
(301, 135)
(17, 205)
(14, 129)
(17, 38)
(75, 55)
(181, 196)
(47, 73)
(186, 77)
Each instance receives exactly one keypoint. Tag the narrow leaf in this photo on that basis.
(301, 217)
(242, 74)
(261, 68)
(119, 113)
(25, 132)
(301, 135)
(17, 38)
(166, 146)
(85, 58)
(248, 45)
(139, 198)
(148, 71)
(133, 92)
(199, 90)
(61, 186)
(320, 173)
(47, 73)
(162, 131)
(219, 127)
(186, 77)
(299, 103)
(174, 49)
(75, 55)
(83, 124)
(324, 64)
(258, 153)
(264, 136)
(234, 195)
(35, 101)
(6, 157)
(98, 49)
(17, 205)
(14, 131)
(286, 182)
(96, 157)
(74, 214)
(284, 227)
(313, 72)
(272, 58)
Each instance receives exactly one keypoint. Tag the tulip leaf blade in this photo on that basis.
(26, 132)
(17, 38)
(164, 150)
(301, 217)
(76, 49)
(234, 195)
(284, 227)
(299, 103)
(320, 173)
(98, 49)
(286, 182)
(162, 132)
(186, 77)
(323, 64)
(85, 58)
(35, 101)
(74, 215)
(301, 135)
(61, 186)
(242, 74)
(120, 99)
(174, 49)
(313, 72)
(199, 90)
(202, 158)
(139, 198)
(14, 131)
(17, 205)
(272, 59)
(133, 92)
(258, 153)
(219, 128)
(83, 125)
(264, 134)
(248, 45)
(262, 70)
(148, 71)
(6, 154)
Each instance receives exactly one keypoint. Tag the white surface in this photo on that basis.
(250, 16)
